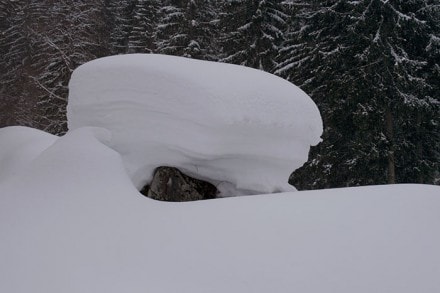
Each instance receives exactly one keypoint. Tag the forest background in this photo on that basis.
(371, 66)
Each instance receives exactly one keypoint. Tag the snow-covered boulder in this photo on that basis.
(236, 127)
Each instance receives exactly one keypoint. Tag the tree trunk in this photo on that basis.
(390, 135)
(419, 148)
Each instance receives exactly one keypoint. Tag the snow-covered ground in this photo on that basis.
(19, 146)
(72, 219)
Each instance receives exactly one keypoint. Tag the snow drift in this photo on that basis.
(72, 222)
(19, 146)
(236, 127)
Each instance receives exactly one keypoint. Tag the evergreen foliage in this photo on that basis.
(143, 24)
(372, 67)
(187, 28)
(366, 73)
(43, 42)
(252, 32)
(68, 35)
(17, 103)
(120, 23)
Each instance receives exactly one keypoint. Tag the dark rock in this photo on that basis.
(170, 184)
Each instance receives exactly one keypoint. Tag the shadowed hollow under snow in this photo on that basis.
(71, 221)
(241, 129)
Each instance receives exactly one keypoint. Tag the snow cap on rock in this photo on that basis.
(239, 128)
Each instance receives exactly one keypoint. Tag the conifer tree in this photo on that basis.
(366, 72)
(68, 34)
(372, 66)
(17, 92)
(143, 24)
(44, 41)
(187, 28)
(121, 16)
(252, 32)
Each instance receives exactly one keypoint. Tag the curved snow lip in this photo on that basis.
(219, 122)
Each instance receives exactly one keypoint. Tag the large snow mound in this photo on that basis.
(72, 222)
(234, 126)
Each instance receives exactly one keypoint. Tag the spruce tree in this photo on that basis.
(187, 28)
(120, 23)
(252, 32)
(141, 38)
(43, 42)
(17, 91)
(367, 73)
(68, 34)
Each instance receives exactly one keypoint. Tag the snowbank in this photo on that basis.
(19, 146)
(72, 222)
(236, 127)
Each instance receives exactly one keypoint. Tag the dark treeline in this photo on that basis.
(371, 66)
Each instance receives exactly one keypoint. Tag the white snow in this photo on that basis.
(71, 221)
(242, 129)
(19, 146)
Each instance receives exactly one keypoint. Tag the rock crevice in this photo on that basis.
(170, 184)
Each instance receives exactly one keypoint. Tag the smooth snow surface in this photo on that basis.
(72, 222)
(237, 127)
(19, 146)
